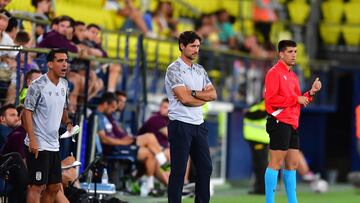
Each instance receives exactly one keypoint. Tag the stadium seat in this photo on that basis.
(87, 14)
(89, 3)
(351, 34)
(20, 5)
(352, 12)
(330, 33)
(232, 7)
(332, 11)
(246, 9)
(299, 12)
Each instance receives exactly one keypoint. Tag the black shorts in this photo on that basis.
(46, 169)
(282, 136)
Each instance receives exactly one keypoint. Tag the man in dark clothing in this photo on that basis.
(8, 121)
(15, 142)
(57, 38)
(157, 124)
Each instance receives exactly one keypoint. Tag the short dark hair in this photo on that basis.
(121, 93)
(30, 72)
(108, 97)
(35, 2)
(188, 37)
(55, 21)
(283, 44)
(4, 108)
(165, 100)
(77, 23)
(51, 54)
(92, 25)
(22, 37)
(12, 23)
(20, 109)
(66, 18)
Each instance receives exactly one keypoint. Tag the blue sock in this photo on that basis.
(271, 177)
(290, 185)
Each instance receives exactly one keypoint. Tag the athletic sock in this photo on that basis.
(150, 182)
(161, 158)
(290, 185)
(271, 177)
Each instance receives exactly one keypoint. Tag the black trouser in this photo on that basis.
(14, 166)
(260, 154)
(188, 139)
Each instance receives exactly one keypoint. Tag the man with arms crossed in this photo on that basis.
(283, 100)
(45, 108)
(188, 88)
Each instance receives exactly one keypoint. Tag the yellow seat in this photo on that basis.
(232, 7)
(184, 26)
(330, 33)
(246, 9)
(332, 11)
(20, 5)
(88, 3)
(352, 12)
(351, 34)
(299, 12)
(87, 14)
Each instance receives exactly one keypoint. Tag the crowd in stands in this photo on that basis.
(76, 37)
(216, 29)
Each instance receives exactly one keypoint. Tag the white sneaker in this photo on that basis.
(144, 190)
(311, 177)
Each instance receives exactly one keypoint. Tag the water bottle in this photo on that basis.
(105, 177)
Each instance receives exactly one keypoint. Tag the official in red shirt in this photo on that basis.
(283, 100)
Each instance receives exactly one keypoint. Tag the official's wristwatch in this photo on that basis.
(193, 93)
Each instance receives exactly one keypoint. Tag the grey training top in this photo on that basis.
(194, 78)
(47, 102)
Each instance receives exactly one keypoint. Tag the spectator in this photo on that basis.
(22, 38)
(226, 31)
(111, 136)
(78, 65)
(30, 76)
(5, 39)
(4, 3)
(79, 32)
(12, 28)
(133, 17)
(157, 124)
(206, 28)
(164, 22)
(42, 8)
(7, 62)
(264, 17)
(92, 41)
(42, 12)
(8, 121)
(15, 139)
(56, 38)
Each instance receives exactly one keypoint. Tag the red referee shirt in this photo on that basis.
(281, 94)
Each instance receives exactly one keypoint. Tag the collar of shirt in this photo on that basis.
(282, 66)
(183, 64)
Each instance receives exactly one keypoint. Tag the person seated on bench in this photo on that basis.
(149, 151)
